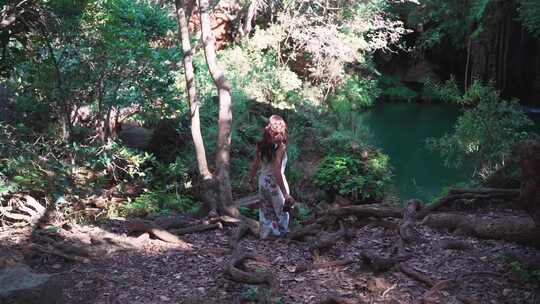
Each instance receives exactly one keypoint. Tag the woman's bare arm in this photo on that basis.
(276, 169)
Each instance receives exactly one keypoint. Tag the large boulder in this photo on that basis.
(165, 141)
(135, 136)
(20, 285)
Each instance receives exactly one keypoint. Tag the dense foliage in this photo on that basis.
(359, 179)
(81, 72)
(487, 130)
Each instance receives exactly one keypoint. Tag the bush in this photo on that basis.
(158, 202)
(357, 93)
(393, 89)
(359, 179)
(485, 133)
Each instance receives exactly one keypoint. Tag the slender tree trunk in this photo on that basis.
(64, 107)
(252, 10)
(467, 65)
(208, 182)
(105, 132)
(225, 114)
(194, 103)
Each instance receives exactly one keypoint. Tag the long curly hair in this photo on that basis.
(275, 130)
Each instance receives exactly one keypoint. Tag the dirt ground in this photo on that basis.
(139, 269)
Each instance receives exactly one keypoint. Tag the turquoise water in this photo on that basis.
(401, 130)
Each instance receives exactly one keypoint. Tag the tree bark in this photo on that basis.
(252, 10)
(64, 107)
(194, 104)
(225, 203)
(511, 228)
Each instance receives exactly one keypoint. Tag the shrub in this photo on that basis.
(393, 89)
(485, 133)
(360, 179)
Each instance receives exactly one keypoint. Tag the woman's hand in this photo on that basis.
(289, 203)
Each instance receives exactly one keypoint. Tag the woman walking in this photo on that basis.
(275, 199)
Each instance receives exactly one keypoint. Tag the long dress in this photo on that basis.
(272, 218)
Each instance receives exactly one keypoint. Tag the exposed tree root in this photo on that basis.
(373, 210)
(430, 296)
(172, 223)
(335, 299)
(407, 228)
(141, 226)
(517, 229)
(418, 276)
(63, 246)
(225, 220)
(198, 228)
(380, 264)
(326, 240)
(314, 266)
(301, 233)
(23, 209)
(469, 194)
(454, 245)
(246, 227)
(238, 273)
(242, 231)
(53, 251)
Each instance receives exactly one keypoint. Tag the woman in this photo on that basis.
(273, 187)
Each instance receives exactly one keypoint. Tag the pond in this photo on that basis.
(401, 130)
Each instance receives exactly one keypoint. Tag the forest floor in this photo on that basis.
(140, 269)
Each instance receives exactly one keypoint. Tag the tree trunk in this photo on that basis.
(207, 186)
(62, 103)
(529, 198)
(225, 204)
(252, 10)
(194, 104)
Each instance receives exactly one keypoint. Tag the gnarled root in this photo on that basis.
(516, 229)
(326, 240)
(238, 273)
(23, 208)
(335, 299)
(378, 263)
(374, 210)
(141, 226)
(198, 228)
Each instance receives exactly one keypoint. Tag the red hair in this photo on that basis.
(275, 129)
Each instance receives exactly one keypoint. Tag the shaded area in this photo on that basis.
(152, 271)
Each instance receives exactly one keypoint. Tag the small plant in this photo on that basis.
(527, 274)
(249, 212)
(301, 214)
(158, 202)
(260, 295)
(360, 179)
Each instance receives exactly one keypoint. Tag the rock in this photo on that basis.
(134, 136)
(165, 141)
(20, 285)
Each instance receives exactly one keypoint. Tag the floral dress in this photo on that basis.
(272, 218)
